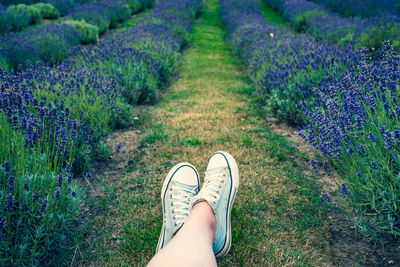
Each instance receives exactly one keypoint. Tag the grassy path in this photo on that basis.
(276, 218)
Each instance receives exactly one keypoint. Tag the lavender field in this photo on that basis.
(100, 98)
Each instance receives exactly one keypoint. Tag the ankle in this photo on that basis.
(207, 214)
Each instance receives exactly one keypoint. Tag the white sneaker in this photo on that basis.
(219, 189)
(181, 184)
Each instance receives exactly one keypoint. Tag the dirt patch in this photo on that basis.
(349, 248)
(99, 184)
(327, 183)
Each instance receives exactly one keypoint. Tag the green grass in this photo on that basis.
(131, 21)
(271, 15)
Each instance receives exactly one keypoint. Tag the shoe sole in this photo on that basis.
(167, 180)
(234, 172)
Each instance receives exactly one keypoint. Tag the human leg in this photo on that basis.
(192, 244)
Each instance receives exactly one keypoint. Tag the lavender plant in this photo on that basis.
(324, 24)
(102, 14)
(48, 43)
(31, 11)
(362, 8)
(142, 58)
(53, 42)
(37, 197)
(11, 21)
(356, 127)
(285, 66)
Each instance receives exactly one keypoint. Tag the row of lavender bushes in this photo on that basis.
(347, 107)
(55, 118)
(18, 17)
(52, 43)
(325, 24)
(63, 6)
(361, 8)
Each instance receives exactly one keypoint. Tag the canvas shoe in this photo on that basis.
(180, 185)
(219, 189)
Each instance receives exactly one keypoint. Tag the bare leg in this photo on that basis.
(192, 244)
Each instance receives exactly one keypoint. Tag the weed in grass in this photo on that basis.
(190, 141)
(102, 152)
(156, 133)
(246, 139)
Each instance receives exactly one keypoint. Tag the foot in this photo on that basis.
(219, 190)
(180, 186)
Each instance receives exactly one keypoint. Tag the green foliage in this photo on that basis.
(284, 104)
(102, 151)
(272, 15)
(135, 5)
(16, 2)
(36, 228)
(47, 11)
(300, 21)
(120, 13)
(157, 133)
(13, 21)
(64, 6)
(246, 139)
(189, 141)
(88, 33)
(53, 48)
(4, 63)
(372, 38)
(5, 25)
(18, 17)
(123, 118)
(32, 12)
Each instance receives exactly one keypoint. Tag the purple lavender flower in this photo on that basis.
(25, 207)
(60, 179)
(43, 206)
(314, 166)
(7, 167)
(118, 148)
(3, 221)
(68, 167)
(58, 193)
(10, 203)
(374, 165)
(326, 198)
(343, 189)
(11, 183)
(36, 195)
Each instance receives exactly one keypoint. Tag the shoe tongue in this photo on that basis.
(185, 186)
(214, 171)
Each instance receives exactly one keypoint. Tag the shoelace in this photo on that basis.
(181, 197)
(212, 187)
